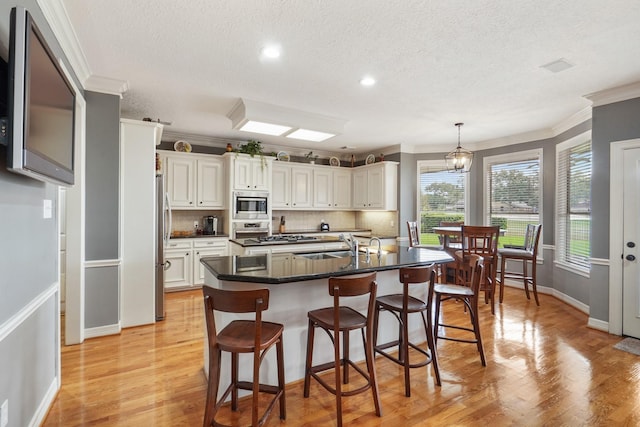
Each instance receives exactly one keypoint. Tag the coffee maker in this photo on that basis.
(209, 225)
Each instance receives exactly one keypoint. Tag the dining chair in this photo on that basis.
(526, 253)
(450, 243)
(401, 306)
(339, 319)
(467, 293)
(483, 241)
(414, 242)
(242, 336)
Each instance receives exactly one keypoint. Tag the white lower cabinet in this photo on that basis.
(202, 249)
(185, 270)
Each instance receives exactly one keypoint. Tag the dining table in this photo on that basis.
(455, 233)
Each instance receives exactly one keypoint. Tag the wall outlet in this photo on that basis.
(4, 413)
(391, 223)
(195, 224)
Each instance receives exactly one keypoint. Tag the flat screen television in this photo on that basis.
(40, 106)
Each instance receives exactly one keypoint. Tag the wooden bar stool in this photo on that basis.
(467, 293)
(401, 305)
(525, 253)
(341, 319)
(241, 336)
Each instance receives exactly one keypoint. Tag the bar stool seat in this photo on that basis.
(400, 306)
(526, 253)
(337, 320)
(467, 293)
(242, 336)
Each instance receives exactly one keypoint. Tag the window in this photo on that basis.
(573, 203)
(513, 193)
(441, 197)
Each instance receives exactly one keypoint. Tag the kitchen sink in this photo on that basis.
(326, 255)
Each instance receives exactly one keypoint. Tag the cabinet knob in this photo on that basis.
(190, 203)
(187, 254)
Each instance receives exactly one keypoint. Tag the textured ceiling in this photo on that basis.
(436, 63)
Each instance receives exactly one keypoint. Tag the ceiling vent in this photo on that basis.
(557, 65)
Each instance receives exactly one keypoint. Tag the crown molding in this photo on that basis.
(572, 121)
(58, 19)
(106, 85)
(615, 94)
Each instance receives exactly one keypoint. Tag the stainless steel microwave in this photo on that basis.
(250, 205)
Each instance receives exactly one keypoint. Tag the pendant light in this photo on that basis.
(459, 160)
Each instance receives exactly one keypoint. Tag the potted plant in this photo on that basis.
(252, 148)
(311, 157)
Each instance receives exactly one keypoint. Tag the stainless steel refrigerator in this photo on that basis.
(163, 228)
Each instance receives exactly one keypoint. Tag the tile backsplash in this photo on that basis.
(380, 223)
(183, 220)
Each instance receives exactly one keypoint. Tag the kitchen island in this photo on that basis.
(298, 283)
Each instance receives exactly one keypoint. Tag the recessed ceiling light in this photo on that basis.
(310, 135)
(367, 81)
(264, 128)
(271, 52)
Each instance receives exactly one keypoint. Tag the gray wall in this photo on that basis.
(28, 254)
(102, 207)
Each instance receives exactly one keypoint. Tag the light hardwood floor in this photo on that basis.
(544, 367)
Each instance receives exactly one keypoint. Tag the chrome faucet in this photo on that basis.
(379, 245)
(351, 242)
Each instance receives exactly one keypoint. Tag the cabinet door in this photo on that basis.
(281, 186)
(301, 179)
(260, 174)
(242, 171)
(210, 184)
(360, 189)
(341, 189)
(323, 188)
(178, 275)
(180, 182)
(376, 187)
(198, 268)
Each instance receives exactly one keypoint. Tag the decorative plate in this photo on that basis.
(283, 156)
(182, 146)
(334, 161)
(370, 159)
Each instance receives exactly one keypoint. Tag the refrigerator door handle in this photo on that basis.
(167, 231)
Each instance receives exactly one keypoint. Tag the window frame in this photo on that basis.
(517, 156)
(559, 258)
(438, 163)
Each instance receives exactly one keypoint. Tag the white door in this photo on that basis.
(631, 253)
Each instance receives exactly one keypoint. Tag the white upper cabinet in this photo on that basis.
(281, 186)
(195, 182)
(301, 186)
(210, 183)
(331, 188)
(251, 173)
(375, 186)
(181, 181)
(291, 186)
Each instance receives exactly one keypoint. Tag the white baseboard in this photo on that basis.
(554, 293)
(47, 401)
(598, 324)
(102, 331)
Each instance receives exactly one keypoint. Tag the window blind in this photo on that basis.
(573, 204)
(514, 197)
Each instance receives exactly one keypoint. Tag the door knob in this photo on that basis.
(631, 244)
(631, 258)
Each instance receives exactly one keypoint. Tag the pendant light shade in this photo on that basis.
(459, 160)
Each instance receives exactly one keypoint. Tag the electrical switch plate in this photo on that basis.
(4, 413)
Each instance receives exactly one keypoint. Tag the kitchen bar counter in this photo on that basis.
(287, 267)
(245, 243)
(298, 283)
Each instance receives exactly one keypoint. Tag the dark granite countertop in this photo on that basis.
(287, 267)
(254, 242)
(317, 231)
